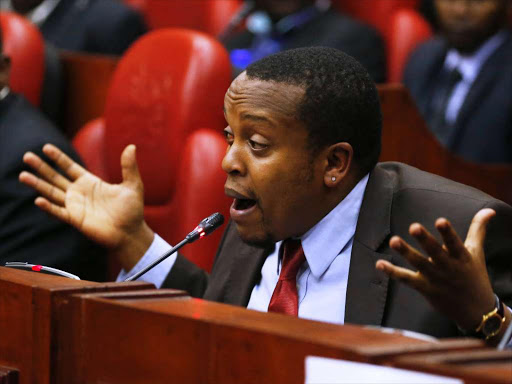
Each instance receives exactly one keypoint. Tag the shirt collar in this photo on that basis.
(330, 236)
(39, 14)
(469, 65)
(4, 92)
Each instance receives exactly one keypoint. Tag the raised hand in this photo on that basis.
(453, 277)
(110, 214)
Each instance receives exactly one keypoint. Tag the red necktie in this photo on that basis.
(285, 298)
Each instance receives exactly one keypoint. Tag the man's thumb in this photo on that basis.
(478, 228)
(129, 167)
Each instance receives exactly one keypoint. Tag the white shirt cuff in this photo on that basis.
(158, 274)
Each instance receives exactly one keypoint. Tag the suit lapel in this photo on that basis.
(484, 82)
(367, 287)
(245, 273)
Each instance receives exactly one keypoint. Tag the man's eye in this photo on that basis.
(257, 146)
(229, 137)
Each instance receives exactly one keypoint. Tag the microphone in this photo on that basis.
(205, 227)
(244, 11)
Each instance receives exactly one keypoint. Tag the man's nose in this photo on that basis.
(233, 163)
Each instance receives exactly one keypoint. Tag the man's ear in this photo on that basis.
(339, 159)
(5, 69)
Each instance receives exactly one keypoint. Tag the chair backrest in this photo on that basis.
(374, 12)
(209, 16)
(407, 29)
(166, 97)
(24, 44)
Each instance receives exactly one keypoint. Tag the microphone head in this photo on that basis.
(205, 227)
(211, 223)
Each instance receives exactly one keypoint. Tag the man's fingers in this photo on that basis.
(405, 275)
(44, 188)
(129, 167)
(428, 242)
(478, 228)
(412, 255)
(451, 240)
(64, 162)
(54, 210)
(45, 171)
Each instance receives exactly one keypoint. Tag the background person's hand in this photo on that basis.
(452, 277)
(110, 214)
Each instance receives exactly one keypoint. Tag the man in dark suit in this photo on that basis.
(92, 26)
(461, 79)
(25, 233)
(313, 214)
(288, 24)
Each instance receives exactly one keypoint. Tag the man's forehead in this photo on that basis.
(273, 93)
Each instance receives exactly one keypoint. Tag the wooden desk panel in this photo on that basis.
(28, 304)
(168, 339)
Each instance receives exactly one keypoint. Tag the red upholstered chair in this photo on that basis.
(210, 16)
(166, 96)
(407, 29)
(24, 44)
(374, 12)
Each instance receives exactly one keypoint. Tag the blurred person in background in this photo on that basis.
(92, 26)
(461, 79)
(25, 233)
(274, 26)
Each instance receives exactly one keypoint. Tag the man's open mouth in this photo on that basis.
(243, 204)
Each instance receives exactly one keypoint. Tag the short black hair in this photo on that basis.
(340, 104)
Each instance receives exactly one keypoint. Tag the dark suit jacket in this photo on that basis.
(483, 129)
(94, 26)
(26, 232)
(396, 196)
(331, 29)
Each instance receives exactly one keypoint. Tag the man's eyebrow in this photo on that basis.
(248, 116)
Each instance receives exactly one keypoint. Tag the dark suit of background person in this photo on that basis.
(331, 29)
(483, 129)
(92, 26)
(27, 233)
(396, 196)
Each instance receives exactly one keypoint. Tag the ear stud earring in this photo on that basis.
(333, 179)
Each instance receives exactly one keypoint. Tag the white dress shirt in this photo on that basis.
(469, 67)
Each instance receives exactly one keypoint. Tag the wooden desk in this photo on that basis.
(60, 331)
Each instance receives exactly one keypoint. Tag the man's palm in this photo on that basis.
(107, 213)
